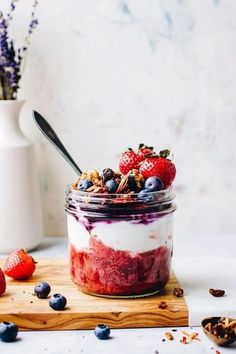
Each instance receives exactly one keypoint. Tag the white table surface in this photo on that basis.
(198, 263)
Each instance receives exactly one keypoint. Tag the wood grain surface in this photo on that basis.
(84, 311)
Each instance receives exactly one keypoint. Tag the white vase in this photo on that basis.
(20, 211)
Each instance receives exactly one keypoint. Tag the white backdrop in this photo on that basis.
(112, 74)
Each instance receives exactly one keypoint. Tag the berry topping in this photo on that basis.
(2, 282)
(57, 302)
(8, 331)
(107, 174)
(144, 150)
(84, 184)
(129, 161)
(102, 331)
(153, 184)
(42, 290)
(146, 196)
(111, 185)
(19, 265)
(160, 167)
(135, 167)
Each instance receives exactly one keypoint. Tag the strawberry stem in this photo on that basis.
(152, 155)
(164, 153)
(143, 146)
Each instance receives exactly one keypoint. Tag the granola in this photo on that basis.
(224, 328)
(169, 336)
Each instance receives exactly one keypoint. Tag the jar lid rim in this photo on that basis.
(70, 189)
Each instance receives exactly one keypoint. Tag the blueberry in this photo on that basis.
(57, 302)
(111, 185)
(143, 193)
(107, 174)
(84, 184)
(146, 196)
(42, 290)
(153, 184)
(102, 331)
(8, 331)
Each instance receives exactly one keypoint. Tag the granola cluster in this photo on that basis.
(130, 183)
(224, 328)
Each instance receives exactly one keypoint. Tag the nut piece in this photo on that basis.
(184, 340)
(216, 292)
(191, 336)
(178, 292)
(163, 305)
(169, 336)
(222, 329)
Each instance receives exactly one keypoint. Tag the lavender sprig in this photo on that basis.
(12, 8)
(10, 58)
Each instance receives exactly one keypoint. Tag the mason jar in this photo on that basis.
(120, 244)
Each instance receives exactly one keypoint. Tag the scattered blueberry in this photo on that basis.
(111, 185)
(107, 174)
(42, 290)
(102, 331)
(84, 184)
(153, 184)
(57, 302)
(8, 331)
(146, 196)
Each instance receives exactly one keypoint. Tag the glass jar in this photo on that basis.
(120, 244)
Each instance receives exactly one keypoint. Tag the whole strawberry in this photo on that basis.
(19, 265)
(2, 282)
(144, 151)
(129, 161)
(159, 166)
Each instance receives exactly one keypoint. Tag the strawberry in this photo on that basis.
(2, 282)
(19, 265)
(144, 150)
(129, 160)
(160, 167)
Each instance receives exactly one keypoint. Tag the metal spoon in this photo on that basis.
(47, 130)
(221, 341)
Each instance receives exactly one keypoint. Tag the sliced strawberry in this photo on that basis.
(129, 161)
(19, 265)
(160, 167)
(2, 282)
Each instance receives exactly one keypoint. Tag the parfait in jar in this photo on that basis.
(120, 226)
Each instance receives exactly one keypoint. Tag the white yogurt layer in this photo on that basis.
(123, 235)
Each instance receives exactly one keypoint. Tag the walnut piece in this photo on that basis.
(216, 292)
(163, 305)
(178, 292)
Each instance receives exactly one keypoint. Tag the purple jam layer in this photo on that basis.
(102, 270)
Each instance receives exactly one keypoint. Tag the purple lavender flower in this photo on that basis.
(11, 59)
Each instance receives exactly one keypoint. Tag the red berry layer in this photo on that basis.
(104, 271)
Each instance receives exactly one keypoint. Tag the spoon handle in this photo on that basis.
(47, 130)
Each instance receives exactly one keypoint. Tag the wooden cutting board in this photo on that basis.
(84, 311)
